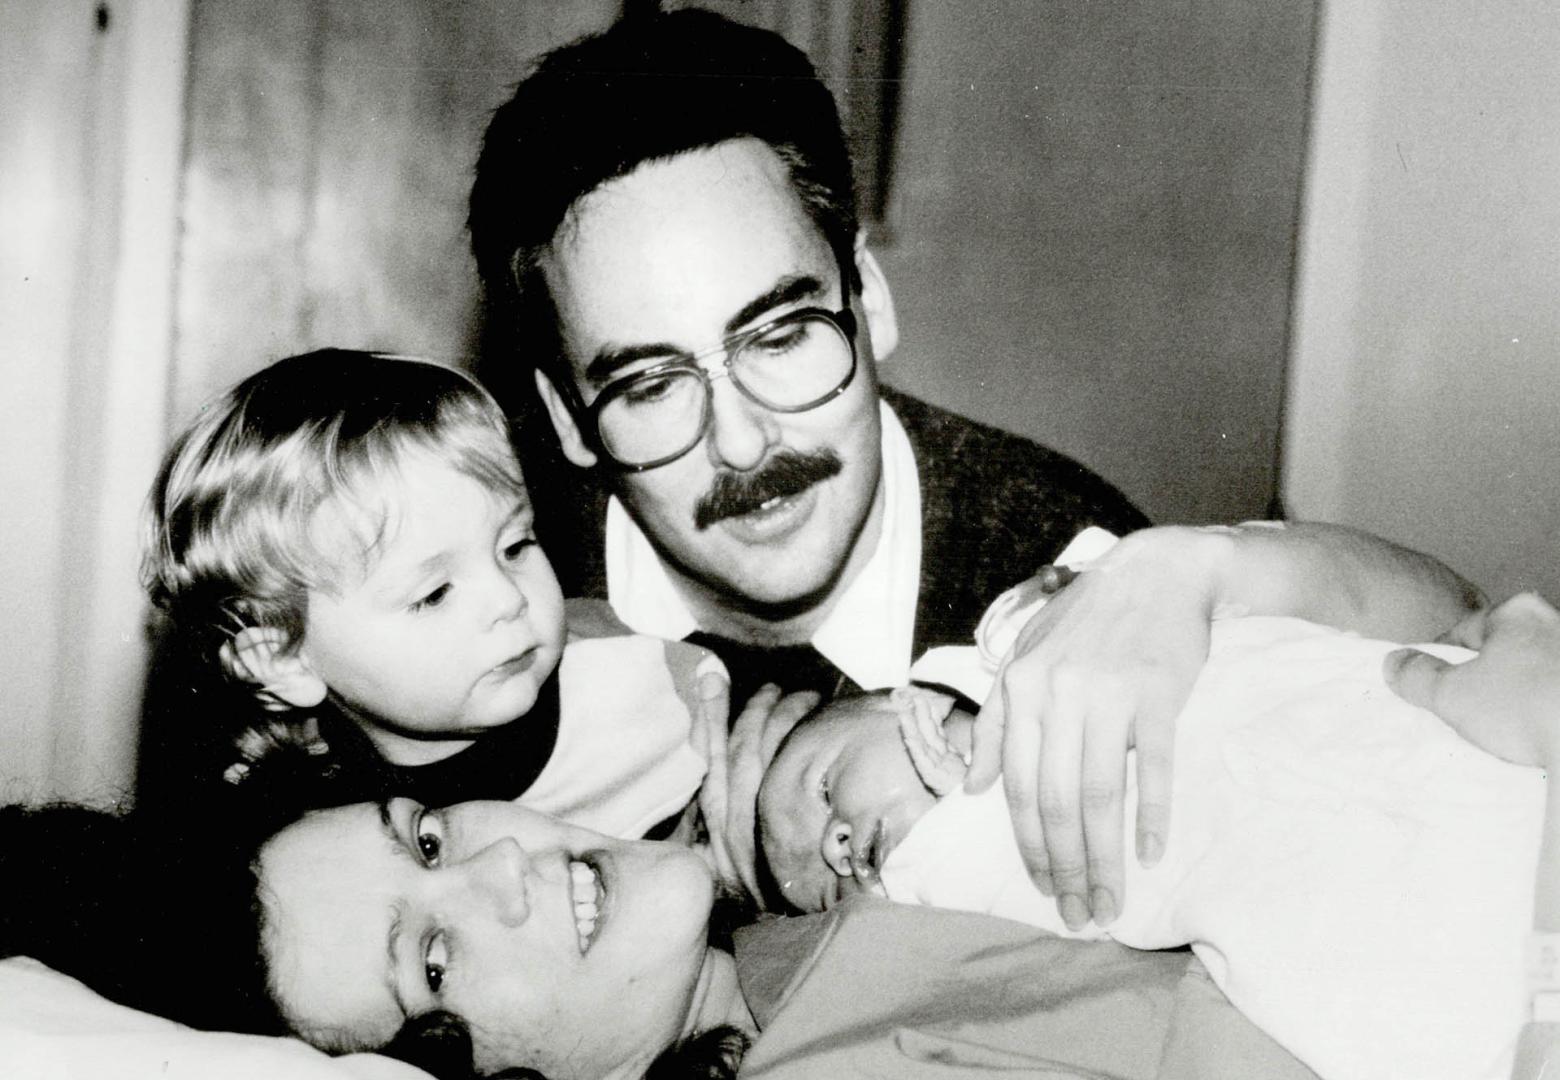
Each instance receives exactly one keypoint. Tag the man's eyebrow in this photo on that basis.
(788, 290)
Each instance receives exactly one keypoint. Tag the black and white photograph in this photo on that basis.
(779, 539)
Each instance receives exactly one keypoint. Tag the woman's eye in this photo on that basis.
(429, 832)
(823, 790)
(433, 599)
(435, 961)
(517, 548)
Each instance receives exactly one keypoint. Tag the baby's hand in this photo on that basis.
(939, 765)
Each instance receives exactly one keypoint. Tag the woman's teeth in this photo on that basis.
(587, 897)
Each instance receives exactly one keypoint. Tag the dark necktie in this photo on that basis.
(790, 667)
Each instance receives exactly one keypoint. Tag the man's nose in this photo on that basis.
(741, 430)
(495, 879)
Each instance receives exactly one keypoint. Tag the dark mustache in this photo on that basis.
(786, 473)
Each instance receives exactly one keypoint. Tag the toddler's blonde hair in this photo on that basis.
(230, 538)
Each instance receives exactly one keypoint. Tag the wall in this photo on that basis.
(89, 140)
(1089, 241)
(330, 155)
(1091, 235)
(1427, 348)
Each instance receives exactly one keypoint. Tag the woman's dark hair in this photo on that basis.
(154, 913)
(439, 1043)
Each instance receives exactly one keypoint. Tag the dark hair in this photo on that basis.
(647, 89)
(157, 914)
(439, 1043)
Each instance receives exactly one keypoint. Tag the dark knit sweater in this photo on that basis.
(994, 508)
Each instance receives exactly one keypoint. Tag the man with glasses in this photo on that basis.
(706, 326)
(664, 223)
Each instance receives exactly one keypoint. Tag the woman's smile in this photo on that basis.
(588, 892)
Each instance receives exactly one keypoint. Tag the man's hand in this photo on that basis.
(1505, 700)
(736, 768)
(1106, 665)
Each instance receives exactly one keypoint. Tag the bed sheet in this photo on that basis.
(52, 1027)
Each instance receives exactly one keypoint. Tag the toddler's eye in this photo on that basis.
(517, 548)
(435, 961)
(433, 599)
(429, 831)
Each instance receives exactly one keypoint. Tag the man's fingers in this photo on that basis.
(1103, 791)
(1415, 676)
(710, 739)
(710, 725)
(1471, 631)
(747, 732)
(1021, 781)
(786, 714)
(986, 739)
(1061, 772)
(1154, 739)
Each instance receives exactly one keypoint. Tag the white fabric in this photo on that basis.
(1356, 877)
(869, 632)
(623, 761)
(953, 665)
(54, 1028)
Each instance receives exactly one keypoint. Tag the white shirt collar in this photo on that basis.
(868, 634)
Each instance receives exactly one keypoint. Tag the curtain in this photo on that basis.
(90, 141)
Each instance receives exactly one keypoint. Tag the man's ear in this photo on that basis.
(282, 677)
(877, 302)
(563, 422)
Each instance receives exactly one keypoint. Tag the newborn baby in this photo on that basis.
(1356, 878)
(848, 783)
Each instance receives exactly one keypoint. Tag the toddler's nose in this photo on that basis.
(509, 600)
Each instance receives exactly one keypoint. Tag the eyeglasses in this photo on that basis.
(790, 364)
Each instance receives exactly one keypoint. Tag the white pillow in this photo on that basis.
(52, 1026)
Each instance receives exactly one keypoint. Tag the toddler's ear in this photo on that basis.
(282, 677)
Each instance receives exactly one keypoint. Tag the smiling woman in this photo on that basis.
(546, 947)
(483, 939)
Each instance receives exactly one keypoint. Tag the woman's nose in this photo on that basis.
(741, 430)
(496, 879)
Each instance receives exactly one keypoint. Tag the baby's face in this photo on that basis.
(838, 796)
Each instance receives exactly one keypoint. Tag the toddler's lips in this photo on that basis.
(515, 665)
